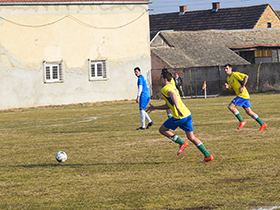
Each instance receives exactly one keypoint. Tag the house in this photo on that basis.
(251, 17)
(55, 52)
(182, 51)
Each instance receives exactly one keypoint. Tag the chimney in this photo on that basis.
(215, 6)
(183, 9)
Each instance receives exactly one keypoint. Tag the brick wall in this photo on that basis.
(268, 16)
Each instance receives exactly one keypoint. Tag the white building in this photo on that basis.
(61, 52)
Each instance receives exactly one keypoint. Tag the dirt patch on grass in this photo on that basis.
(201, 208)
(242, 180)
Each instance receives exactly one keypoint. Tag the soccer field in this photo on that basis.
(111, 165)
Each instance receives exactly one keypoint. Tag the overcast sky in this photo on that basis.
(163, 6)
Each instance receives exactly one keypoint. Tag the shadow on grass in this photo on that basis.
(90, 164)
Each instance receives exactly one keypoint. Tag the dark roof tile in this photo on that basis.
(224, 18)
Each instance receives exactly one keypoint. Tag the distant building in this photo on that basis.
(251, 17)
(185, 49)
(199, 56)
(55, 52)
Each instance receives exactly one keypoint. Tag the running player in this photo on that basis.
(237, 81)
(168, 111)
(181, 118)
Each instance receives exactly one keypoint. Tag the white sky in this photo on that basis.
(165, 6)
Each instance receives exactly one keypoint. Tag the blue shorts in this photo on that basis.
(242, 102)
(144, 101)
(185, 124)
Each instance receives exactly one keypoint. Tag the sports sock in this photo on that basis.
(142, 118)
(177, 139)
(147, 117)
(201, 147)
(256, 117)
(238, 116)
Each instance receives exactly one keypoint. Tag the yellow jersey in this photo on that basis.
(173, 82)
(235, 81)
(185, 111)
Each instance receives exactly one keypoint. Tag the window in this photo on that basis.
(268, 24)
(97, 70)
(53, 72)
(263, 53)
(264, 56)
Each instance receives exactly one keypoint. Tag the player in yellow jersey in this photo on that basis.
(237, 81)
(181, 117)
(168, 111)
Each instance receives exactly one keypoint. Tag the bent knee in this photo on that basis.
(230, 106)
(162, 129)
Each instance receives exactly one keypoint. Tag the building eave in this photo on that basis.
(21, 3)
(253, 46)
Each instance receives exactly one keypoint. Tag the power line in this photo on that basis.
(35, 26)
(76, 20)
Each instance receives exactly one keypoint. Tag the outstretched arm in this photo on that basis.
(152, 107)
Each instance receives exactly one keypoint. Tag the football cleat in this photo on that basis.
(150, 124)
(241, 124)
(140, 128)
(263, 127)
(207, 159)
(182, 147)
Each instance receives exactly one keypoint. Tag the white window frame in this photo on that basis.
(53, 72)
(98, 70)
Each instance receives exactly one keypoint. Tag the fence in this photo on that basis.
(263, 77)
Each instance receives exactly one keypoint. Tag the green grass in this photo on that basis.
(110, 165)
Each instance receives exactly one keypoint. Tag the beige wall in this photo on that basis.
(30, 35)
(268, 16)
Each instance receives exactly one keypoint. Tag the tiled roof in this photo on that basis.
(210, 48)
(223, 18)
(40, 1)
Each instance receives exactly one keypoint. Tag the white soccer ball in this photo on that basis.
(61, 156)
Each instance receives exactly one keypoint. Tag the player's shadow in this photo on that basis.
(89, 164)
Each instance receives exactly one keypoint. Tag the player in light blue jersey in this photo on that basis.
(143, 98)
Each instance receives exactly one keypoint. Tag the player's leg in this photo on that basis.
(182, 92)
(143, 116)
(143, 103)
(142, 119)
(207, 156)
(166, 132)
(147, 117)
(234, 110)
(249, 111)
(150, 122)
(187, 126)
